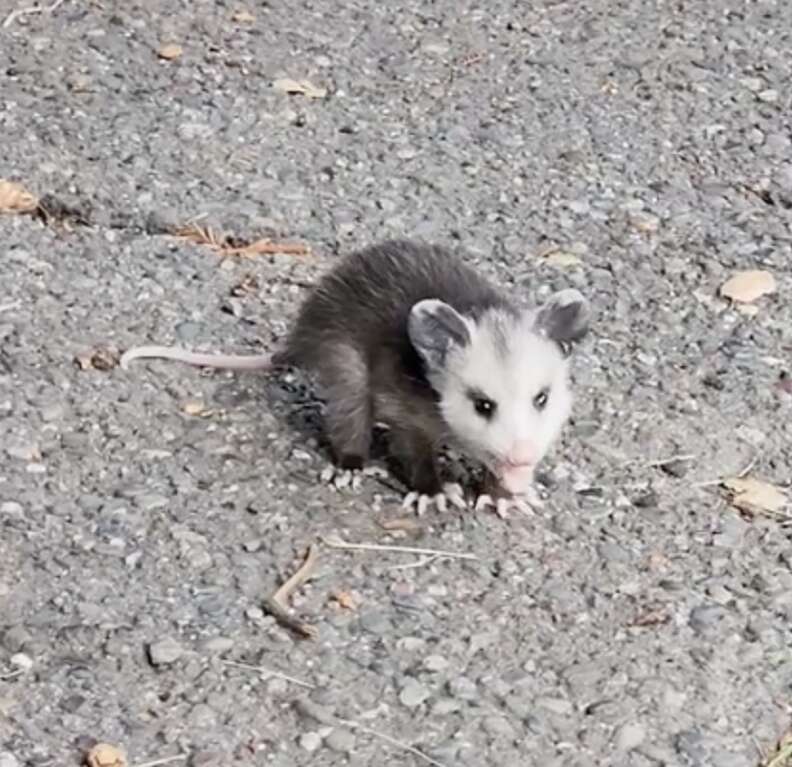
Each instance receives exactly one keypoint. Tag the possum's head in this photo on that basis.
(502, 378)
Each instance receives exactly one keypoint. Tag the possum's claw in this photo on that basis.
(525, 504)
(451, 494)
(341, 479)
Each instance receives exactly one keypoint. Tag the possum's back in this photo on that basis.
(366, 299)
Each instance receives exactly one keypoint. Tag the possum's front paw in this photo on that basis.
(342, 479)
(451, 494)
(526, 503)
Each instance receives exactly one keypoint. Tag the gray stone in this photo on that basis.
(310, 741)
(341, 740)
(630, 736)
(413, 693)
(165, 651)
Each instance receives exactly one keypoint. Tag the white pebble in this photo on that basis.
(20, 660)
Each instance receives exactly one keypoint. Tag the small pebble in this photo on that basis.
(20, 660)
(463, 688)
(630, 736)
(218, 645)
(769, 96)
(446, 706)
(435, 663)
(413, 693)
(165, 651)
(341, 740)
(310, 741)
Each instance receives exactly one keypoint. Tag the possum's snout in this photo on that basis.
(515, 479)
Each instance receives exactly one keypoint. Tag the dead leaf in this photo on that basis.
(300, 87)
(655, 617)
(14, 198)
(243, 17)
(345, 600)
(746, 287)
(405, 524)
(105, 755)
(267, 247)
(755, 496)
(195, 407)
(205, 235)
(97, 359)
(645, 222)
(170, 51)
(248, 285)
(562, 259)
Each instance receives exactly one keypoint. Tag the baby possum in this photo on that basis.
(407, 335)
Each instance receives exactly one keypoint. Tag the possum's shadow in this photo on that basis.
(292, 398)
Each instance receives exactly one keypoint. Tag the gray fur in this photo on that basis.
(401, 333)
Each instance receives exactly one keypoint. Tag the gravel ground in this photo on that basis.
(640, 153)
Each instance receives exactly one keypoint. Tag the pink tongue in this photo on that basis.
(516, 479)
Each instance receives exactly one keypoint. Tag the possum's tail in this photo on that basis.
(216, 361)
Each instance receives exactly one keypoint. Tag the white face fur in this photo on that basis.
(502, 380)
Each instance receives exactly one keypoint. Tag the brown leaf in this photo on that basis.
(105, 755)
(267, 247)
(170, 51)
(405, 524)
(243, 17)
(249, 285)
(97, 359)
(654, 617)
(300, 87)
(746, 287)
(14, 198)
(755, 496)
(345, 600)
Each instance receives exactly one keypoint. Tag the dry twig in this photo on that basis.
(276, 604)
(336, 543)
(271, 672)
(14, 15)
(392, 741)
(742, 473)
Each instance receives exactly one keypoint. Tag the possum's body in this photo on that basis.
(409, 336)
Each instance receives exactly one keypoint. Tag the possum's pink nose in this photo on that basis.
(522, 454)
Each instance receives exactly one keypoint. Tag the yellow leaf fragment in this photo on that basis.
(300, 87)
(562, 259)
(97, 359)
(194, 407)
(243, 17)
(15, 198)
(170, 51)
(345, 600)
(105, 755)
(746, 287)
(755, 496)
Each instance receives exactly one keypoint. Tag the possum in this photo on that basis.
(407, 335)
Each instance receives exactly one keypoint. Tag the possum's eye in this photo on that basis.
(540, 400)
(484, 407)
(482, 404)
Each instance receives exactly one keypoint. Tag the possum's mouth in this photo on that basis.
(516, 478)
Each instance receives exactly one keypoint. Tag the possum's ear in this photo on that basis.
(564, 318)
(434, 328)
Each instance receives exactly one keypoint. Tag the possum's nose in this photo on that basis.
(522, 454)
